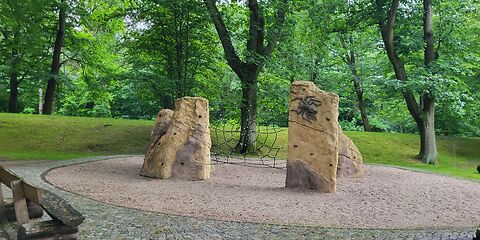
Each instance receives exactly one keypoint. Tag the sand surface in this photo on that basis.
(383, 198)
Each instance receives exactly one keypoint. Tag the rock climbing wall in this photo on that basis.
(313, 133)
(180, 142)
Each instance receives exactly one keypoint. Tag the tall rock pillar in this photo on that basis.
(313, 135)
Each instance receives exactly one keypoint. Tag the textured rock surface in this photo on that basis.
(180, 147)
(312, 138)
(162, 123)
(350, 161)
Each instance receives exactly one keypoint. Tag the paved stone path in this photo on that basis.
(105, 221)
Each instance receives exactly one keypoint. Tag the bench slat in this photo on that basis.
(55, 206)
(60, 210)
(31, 193)
(3, 217)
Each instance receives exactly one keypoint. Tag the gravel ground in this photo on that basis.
(385, 197)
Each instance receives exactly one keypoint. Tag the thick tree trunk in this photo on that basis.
(359, 91)
(55, 68)
(248, 123)
(423, 115)
(248, 71)
(428, 151)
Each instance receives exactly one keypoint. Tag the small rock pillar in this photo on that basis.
(180, 142)
(350, 160)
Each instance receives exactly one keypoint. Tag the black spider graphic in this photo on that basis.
(307, 108)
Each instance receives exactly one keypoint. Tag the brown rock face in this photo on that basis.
(350, 159)
(180, 142)
(312, 138)
(162, 123)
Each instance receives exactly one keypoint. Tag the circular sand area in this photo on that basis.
(383, 198)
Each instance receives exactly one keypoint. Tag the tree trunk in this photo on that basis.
(248, 71)
(428, 151)
(423, 115)
(55, 68)
(248, 123)
(13, 99)
(359, 92)
(14, 82)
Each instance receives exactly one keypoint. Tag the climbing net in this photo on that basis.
(264, 149)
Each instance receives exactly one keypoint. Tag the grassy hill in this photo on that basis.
(31, 137)
(34, 137)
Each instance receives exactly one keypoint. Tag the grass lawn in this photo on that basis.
(34, 137)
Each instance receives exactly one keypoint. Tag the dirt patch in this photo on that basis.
(384, 198)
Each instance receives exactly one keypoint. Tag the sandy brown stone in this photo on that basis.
(183, 150)
(162, 123)
(312, 138)
(350, 161)
(305, 178)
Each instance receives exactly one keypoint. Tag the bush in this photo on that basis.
(28, 110)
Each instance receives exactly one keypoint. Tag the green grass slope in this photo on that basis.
(34, 137)
(458, 156)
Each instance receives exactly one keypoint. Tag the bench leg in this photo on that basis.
(3, 213)
(20, 203)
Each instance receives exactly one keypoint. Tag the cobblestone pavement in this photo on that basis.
(105, 221)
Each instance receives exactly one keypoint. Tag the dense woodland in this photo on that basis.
(408, 66)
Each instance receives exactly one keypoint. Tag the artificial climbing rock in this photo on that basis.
(180, 142)
(313, 134)
(350, 161)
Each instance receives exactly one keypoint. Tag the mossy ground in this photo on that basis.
(34, 137)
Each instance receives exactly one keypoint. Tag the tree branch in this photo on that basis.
(70, 58)
(230, 53)
(387, 30)
(257, 28)
(439, 43)
(279, 22)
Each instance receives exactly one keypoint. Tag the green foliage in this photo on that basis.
(169, 47)
(25, 30)
(128, 59)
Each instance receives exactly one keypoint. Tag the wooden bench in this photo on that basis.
(65, 219)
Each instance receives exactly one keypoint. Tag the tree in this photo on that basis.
(172, 48)
(22, 45)
(55, 68)
(259, 47)
(350, 59)
(336, 33)
(423, 112)
(14, 79)
(92, 58)
(346, 30)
